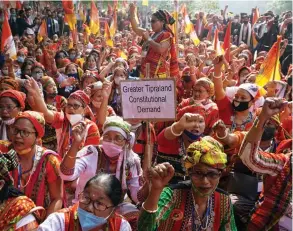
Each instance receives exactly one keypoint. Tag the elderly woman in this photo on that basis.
(113, 156)
(198, 205)
(74, 113)
(274, 206)
(201, 102)
(96, 209)
(11, 103)
(158, 49)
(17, 212)
(37, 174)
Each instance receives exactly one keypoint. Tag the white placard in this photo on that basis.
(152, 99)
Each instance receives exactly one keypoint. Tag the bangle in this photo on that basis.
(217, 77)
(66, 171)
(173, 133)
(150, 39)
(224, 137)
(149, 211)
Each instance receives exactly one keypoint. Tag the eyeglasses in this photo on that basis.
(154, 21)
(7, 108)
(198, 175)
(74, 106)
(23, 133)
(86, 200)
(117, 139)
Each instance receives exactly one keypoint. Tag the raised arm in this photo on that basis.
(36, 100)
(101, 113)
(257, 161)
(218, 82)
(138, 30)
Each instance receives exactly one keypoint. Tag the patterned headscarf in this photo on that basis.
(164, 15)
(47, 80)
(8, 162)
(81, 96)
(36, 118)
(207, 151)
(10, 83)
(117, 124)
(19, 96)
(207, 84)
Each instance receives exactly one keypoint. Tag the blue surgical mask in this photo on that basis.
(88, 221)
(75, 75)
(191, 136)
(20, 59)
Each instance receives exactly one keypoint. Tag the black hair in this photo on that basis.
(15, 101)
(110, 184)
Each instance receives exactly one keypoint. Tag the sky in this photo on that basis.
(241, 6)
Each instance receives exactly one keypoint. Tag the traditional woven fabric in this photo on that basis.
(207, 151)
(80, 96)
(36, 118)
(175, 212)
(116, 121)
(13, 210)
(8, 162)
(207, 84)
(9, 83)
(47, 171)
(19, 96)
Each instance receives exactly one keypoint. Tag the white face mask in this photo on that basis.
(96, 104)
(9, 122)
(5, 72)
(117, 80)
(209, 62)
(74, 118)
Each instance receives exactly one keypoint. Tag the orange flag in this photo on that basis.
(227, 42)
(254, 19)
(270, 68)
(18, 5)
(95, 20)
(69, 17)
(216, 44)
(7, 42)
(42, 31)
(107, 35)
(189, 28)
(113, 26)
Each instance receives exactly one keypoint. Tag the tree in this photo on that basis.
(279, 6)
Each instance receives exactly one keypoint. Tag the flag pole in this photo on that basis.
(176, 25)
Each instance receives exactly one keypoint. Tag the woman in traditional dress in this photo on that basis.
(113, 156)
(11, 103)
(274, 209)
(17, 212)
(159, 48)
(174, 140)
(236, 115)
(200, 101)
(74, 113)
(54, 102)
(96, 209)
(194, 206)
(38, 172)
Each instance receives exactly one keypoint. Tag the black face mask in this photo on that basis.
(186, 78)
(289, 81)
(241, 107)
(268, 133)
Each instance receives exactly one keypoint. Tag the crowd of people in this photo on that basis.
(69, 161)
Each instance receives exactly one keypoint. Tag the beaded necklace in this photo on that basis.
(208, 219)
(242, 126)
(36, 159)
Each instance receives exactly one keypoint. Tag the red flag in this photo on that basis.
(227, 42)
(18, 5)
(42, 31)
(7, 42)
(94, 25)
(70, 18)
